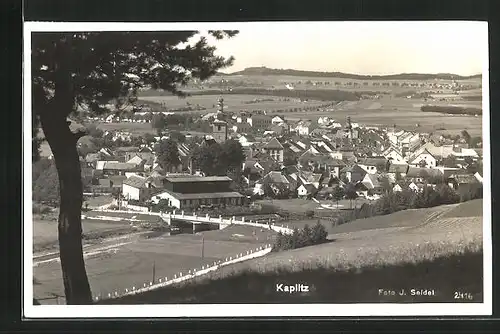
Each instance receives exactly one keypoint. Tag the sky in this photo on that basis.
(373, 48)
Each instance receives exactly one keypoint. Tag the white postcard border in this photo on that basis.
(232, 310)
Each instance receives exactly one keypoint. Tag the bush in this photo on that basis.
(309, 213)
(301, 238)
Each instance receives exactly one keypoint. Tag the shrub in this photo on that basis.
(300, 238)
(309, 213)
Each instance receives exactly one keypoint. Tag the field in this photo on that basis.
(131, 264)
(438, 248)
(45, 231)
(301, 82)
(298, 205)
(233, 102)
(405, 113)
(387, 111)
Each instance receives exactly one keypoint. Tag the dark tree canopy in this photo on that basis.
(219, 159)
(168, 155)
(102, 72)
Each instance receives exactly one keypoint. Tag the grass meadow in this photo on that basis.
(437, 248)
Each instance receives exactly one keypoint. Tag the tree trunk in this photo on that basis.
(63, 145)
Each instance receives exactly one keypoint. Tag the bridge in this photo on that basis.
(196, 220)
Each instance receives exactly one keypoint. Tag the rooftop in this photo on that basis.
(195, 178)
(273, 144)
(135, 181)
(119, 165)
(231, 194)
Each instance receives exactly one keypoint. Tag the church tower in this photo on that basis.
(219, 126)
(220, 107)
(219, 131)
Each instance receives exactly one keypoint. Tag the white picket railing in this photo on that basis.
(207, 219)
(181, 277)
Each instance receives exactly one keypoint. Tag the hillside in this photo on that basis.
(439, 247)
(299, 73)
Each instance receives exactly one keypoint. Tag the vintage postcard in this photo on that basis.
(290, 169)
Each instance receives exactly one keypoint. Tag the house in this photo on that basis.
(419, 174)
(318, 132)
(126, 152)
(393, 155)
(311, 178)
(260, 122)
(246, 140)
(373, 165)
(306, 191)
(353, 173)
(395, 170)
(460, 182)
(253, 170)
(136, 160)
(138, 188)
(277, 120)
(192, 191)
(277, 181)
(372, 184)
(120, 168)
(274, 149)
(325, 120)
(143, 152)
(416, 187)
(279, 129)
(304, 128)
(242, 127)
(422, 158)
(462, 153)
(397, 188)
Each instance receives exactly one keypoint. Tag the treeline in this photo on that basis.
(407, 199)
(300, 238)
(402, 76)
(452, 110)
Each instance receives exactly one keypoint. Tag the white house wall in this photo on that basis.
(130, 192)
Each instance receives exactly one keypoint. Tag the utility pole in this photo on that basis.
(202, 246)
(154, 271)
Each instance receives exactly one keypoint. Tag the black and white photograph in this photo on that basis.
(288, 169)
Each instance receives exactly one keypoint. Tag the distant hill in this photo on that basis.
(299, 73)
